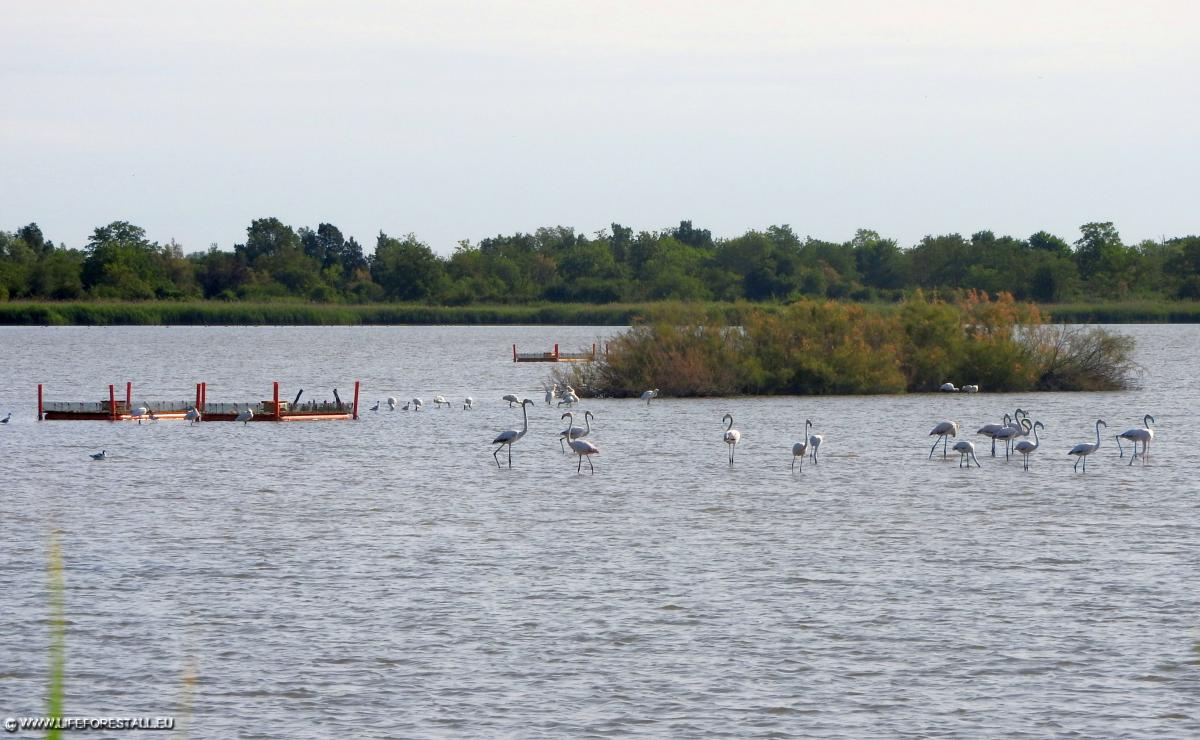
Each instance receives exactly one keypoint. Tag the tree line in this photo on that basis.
(559, 264)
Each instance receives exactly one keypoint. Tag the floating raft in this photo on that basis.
(114, 409)
(554, 356)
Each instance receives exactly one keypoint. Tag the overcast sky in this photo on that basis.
(462, 120)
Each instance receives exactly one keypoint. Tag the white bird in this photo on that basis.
(1143, 434)
(438, 400)
(551, 392)
(989, 430)
(947, 388)
(511, 398)
(1027, 448)
(943, 430)
(376, 407)
(800, 448)
(569, 397)
(138, 412)
(1009, 433)
(6, 418)
(244, 416)
(391, 402)
(966, 453)
(970, 389)
(814, 444)
(731, 436)
(575, 432)
(581, 447)
(509, 436)
(99, 455)
(193, 415)
(468, 404)
(1083, 449)
(417, 404)
(648, 396)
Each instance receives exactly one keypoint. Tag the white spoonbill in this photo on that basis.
(648, 396)
(947, 388)
(439, 399)
(573, 431)
(1083, 449)
(391, 402)
(1143, 434)
(193, 415)
(468, 404)
(99, 455)
(569, 398)
(966, 453)
(970, 388)
(551, 393)
(244, 416)
(1027, 448)
(511, 398)
(509, 436)
(731, 436)
(800, 448)
(581, 447)
(417, 404)
(139, 412)
(943, 430)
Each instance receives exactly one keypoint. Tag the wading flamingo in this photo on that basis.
(508, 437)
(573, 431)
(989, 430)
(966, 453)
(943, 430)
(1143, 434)
(731, 436)
(1027, 448)
(581, 447)
(1083, 449)
(800, 448)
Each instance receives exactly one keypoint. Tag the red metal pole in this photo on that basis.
(556, 350)
(593, 351)
(40, 405)
(356, 400)
(277, 414)
(112, 402)
(129, 397)
(203, 397)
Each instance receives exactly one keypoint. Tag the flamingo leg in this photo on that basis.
(993, 446)
(1122, 449)
(579, 467)
(945, 443)
(976, 461)
(815, 456)
(931, 449)
(563, 446)
(497, 452)
(593, 467)
(1076, 468)
(510, 455)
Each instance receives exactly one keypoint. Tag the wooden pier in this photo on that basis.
(273, 409)
(554, 356)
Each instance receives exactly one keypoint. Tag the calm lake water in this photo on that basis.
(384, 578)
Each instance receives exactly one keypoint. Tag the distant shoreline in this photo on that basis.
(234, 313)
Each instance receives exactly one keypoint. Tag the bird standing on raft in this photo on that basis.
(510, 436)
(731, 436)
(1083, 449)
(580, 447)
